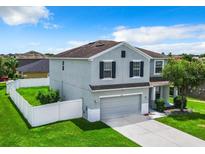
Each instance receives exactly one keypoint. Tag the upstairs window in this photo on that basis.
(107, 69)
(136, 69)
(159, 64)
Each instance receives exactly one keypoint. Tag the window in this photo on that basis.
(158, 66)
(136, 69)
(107, 69)
(123, 54)
(63, 65)
(107, 72)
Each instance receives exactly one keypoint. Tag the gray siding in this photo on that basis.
(152, 66)
(73, 82)
(122, 67)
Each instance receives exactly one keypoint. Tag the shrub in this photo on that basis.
(178, 102)
(51, 96)
(160, 104)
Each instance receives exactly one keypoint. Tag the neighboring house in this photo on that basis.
(113, 78)
(28, 57)
(38, 69)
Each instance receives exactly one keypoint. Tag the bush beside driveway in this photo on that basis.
(71, 133)
(191, 123)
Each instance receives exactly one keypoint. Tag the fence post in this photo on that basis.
(32, 117)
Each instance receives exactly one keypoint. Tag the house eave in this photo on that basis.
(117, 89)
(159, 83)
(67, 58)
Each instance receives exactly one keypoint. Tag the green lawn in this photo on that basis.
(192, 123)
(77, 132)
(30, 94)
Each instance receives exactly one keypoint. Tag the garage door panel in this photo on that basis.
(119, 106)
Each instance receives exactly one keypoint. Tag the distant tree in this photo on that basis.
(170, 54)
(187, 57)
(11, 65)
(184, 74)
(2, 67)
(202, 55)
(49, 54)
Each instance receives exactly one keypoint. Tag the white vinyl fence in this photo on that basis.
(43, 114)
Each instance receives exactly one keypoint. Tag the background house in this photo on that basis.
(32, 64)
(37, 69)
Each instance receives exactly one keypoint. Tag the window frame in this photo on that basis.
(107, 78)
(137, 61)
(155, 62)
(123, 54)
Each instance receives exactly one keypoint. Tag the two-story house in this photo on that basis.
(113, 78)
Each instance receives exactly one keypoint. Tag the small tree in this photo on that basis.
(184, 74)
(2, 67)
(11, 65)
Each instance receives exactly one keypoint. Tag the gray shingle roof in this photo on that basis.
(152, 53)
(93, 48)
(88, 50)
(38, 66)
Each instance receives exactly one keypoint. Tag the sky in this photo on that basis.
(56, 29)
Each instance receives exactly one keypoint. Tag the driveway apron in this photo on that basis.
(151, 133)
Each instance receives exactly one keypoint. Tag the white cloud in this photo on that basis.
(74, 43)
(16, 15)
(158, 34)
(178, 48)
(48, 25)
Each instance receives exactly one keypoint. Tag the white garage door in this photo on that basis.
(114, 107)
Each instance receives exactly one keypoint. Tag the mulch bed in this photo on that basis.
(177, 111)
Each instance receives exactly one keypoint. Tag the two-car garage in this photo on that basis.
(120, 105)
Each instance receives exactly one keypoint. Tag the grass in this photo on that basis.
(71, 133)
(30, 94)
(191, 123)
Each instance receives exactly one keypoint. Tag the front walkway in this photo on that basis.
(150, 133)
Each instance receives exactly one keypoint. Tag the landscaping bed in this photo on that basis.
(70, 133)
(190, 122)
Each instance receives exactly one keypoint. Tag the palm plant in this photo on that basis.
(11, 65)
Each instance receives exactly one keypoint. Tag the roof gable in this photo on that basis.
(97, 48)
(118, 45)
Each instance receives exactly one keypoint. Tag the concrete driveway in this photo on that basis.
(150, 133)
